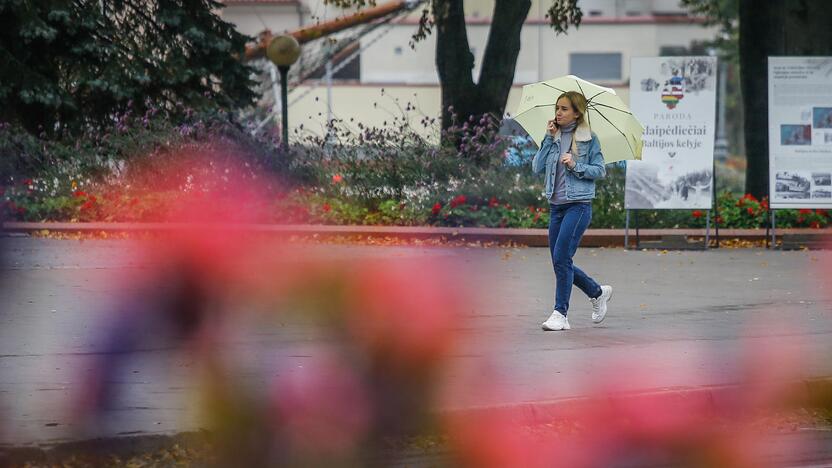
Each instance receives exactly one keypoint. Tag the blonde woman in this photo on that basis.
(570, 157)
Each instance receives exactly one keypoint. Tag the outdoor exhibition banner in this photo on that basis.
(800, 132)
(675, 99)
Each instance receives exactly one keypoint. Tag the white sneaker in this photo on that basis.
(556, 321)
(599, 304)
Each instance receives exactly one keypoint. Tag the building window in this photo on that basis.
(673, 51)
(596, 66)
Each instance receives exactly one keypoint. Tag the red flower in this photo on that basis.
(493, 202)
(327, 208)
(87, 205)
(815, 225)
(458, 200)
(764, 204)
(750, 211)
(27, 182)
(79, 193)
(800, 219)
(718, 219)
(749, 197)
(804, 211)
(437, 207)
(337, 178)
(697, 214)
(820, 212)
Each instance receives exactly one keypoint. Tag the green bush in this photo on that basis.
(137, 170)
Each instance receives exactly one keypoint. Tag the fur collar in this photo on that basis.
(582, 133)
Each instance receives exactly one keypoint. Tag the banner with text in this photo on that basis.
(800, 132)
(675, 99)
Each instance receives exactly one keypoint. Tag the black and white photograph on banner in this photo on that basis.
(792, 185)
(675, 99)
(647, 190)
(822, 178)
(800, 132)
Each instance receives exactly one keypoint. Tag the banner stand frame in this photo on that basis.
(638, 237)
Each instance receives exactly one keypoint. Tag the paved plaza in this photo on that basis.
(677, 320)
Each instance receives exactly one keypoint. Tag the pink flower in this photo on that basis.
(327, 208)
(337, 178)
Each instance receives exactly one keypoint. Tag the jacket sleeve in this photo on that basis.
(539, 161)
(594, 168)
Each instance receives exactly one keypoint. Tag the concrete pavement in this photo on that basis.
(678, 320)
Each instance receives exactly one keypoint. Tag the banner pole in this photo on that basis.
(638, 239)
(708, 230)
(626, 229)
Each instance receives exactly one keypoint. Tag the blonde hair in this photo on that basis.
(578, 102)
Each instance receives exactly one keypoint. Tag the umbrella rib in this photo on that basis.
(619, 131)
(595, 96)
(608, 107)
(580, 87)
(587, 114)
(550, 86)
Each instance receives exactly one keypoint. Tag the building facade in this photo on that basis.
(389, 74)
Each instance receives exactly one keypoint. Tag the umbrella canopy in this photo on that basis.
(616, 127)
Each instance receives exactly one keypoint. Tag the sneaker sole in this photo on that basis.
(545, 328)
(605, 314)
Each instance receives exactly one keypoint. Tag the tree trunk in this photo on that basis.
(780, 27)
(760, 36)
(462, 99)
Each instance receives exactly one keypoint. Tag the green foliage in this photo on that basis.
(387, 176)
(70, 64)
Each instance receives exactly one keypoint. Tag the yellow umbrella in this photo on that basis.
(618, 130)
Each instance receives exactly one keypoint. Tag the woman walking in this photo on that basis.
(570, 156)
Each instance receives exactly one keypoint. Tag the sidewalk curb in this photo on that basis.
(718, 399)
(528, 237)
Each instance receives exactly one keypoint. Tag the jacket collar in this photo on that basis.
(582, 133)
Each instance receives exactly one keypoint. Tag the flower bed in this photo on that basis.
(141, 170)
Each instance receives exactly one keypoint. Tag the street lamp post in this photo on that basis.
(283, 51)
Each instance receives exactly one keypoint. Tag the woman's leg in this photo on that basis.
(555, 219)
(575, 218)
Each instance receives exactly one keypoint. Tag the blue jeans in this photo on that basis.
(567, 224)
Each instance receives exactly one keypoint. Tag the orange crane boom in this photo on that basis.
(317, 31)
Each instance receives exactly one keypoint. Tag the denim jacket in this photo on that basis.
(589, 164)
